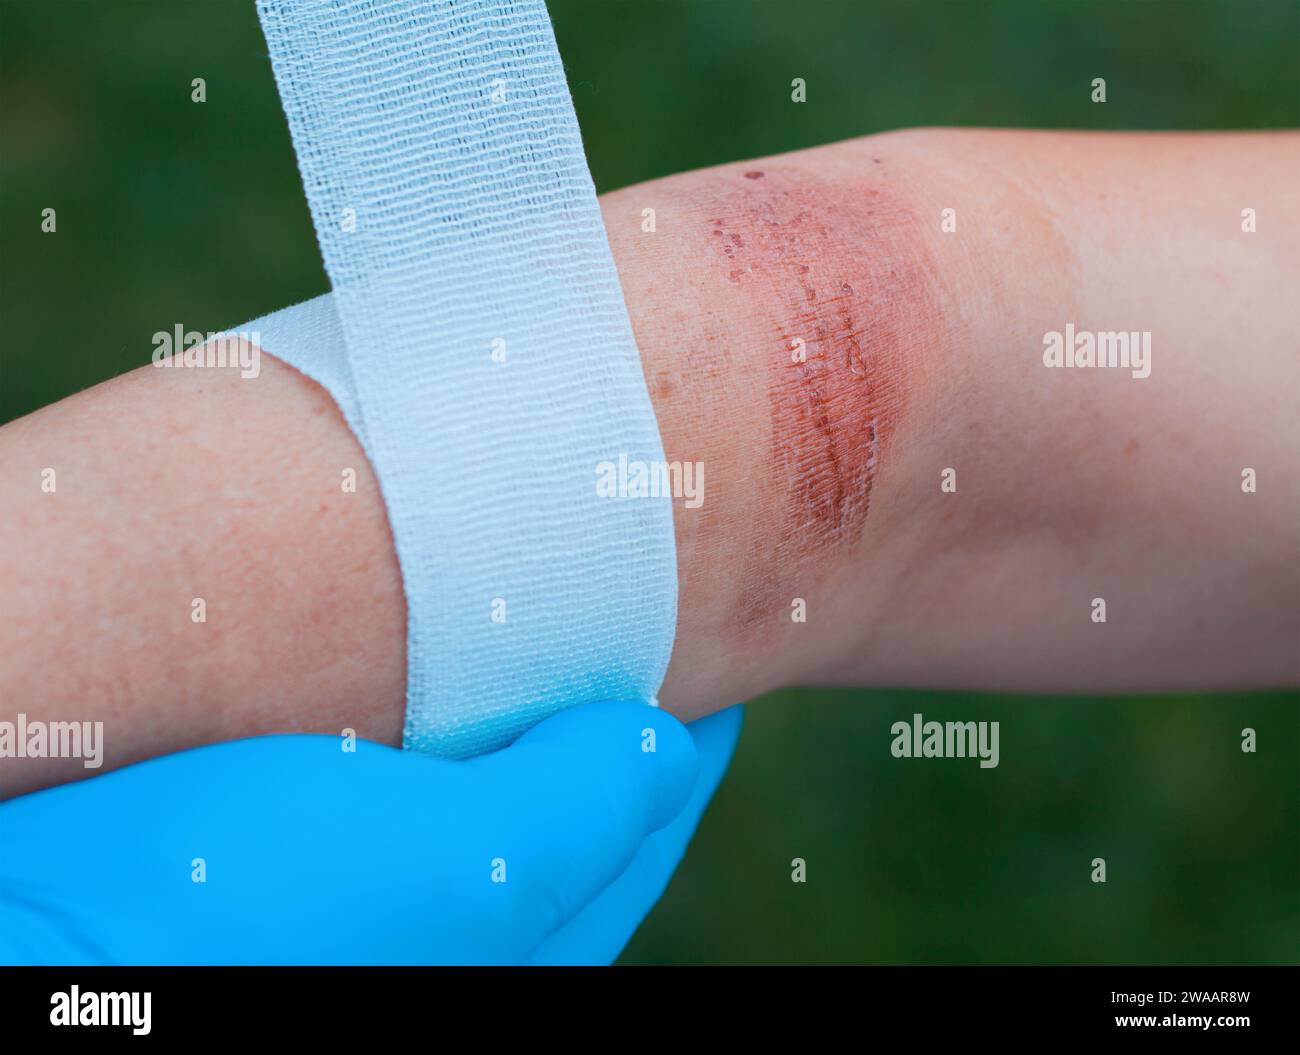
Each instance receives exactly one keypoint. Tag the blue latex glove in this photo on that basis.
(316, 855)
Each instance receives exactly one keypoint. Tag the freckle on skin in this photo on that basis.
(753, 175)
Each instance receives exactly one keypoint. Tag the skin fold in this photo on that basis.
(813, 335)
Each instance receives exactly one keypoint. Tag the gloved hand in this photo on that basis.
(551, 850)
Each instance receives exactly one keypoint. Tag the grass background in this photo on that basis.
(196, 212)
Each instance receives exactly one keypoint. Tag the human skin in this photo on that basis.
(923, 352)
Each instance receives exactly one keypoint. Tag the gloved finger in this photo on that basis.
(577, 796)
(598, 933)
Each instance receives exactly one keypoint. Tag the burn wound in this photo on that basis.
(849, 297)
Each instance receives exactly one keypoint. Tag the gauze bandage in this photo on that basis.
(477, 342)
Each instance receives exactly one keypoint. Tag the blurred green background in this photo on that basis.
(199, 209)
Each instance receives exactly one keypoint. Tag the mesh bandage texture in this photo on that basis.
(489, 366)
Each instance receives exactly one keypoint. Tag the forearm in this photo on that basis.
(921, 351)
(175, 487)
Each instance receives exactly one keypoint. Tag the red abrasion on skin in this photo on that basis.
(849, 297)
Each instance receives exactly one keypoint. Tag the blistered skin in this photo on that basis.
(848, 297)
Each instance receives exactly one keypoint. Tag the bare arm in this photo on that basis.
(922, 350)
(1071, 484)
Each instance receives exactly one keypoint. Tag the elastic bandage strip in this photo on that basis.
(478, 343)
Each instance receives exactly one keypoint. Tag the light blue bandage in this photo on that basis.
(477, 341)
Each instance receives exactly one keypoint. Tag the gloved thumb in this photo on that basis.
(581, 791)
